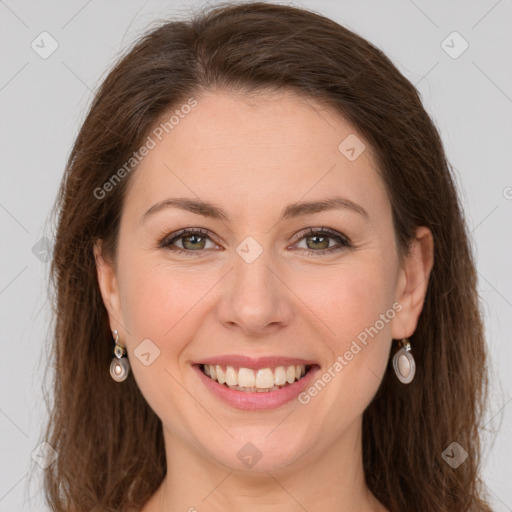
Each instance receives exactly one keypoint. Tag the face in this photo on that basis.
(260, 276)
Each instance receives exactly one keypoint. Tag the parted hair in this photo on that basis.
(110, 445)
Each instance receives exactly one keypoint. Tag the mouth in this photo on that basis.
(256, 384)
(255, 380)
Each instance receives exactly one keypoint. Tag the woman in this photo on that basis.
(265, 293)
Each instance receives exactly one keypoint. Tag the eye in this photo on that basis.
(319, 238)
(195, 241)
(191, 240)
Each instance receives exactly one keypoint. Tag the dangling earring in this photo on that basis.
(403, 363)
(120, 366)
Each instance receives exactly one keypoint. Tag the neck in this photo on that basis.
(331, 480)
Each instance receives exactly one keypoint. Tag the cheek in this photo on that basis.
(155, 296)
(145, 302)
(165, 305)
(158, 305)
(347, 299)
(354, 305)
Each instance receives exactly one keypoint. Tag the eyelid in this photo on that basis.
(322, 229)
(167, 241)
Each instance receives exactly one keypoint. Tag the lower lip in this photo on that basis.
(257, 401)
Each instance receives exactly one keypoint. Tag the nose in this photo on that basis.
(255, 297)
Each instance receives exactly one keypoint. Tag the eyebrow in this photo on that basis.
(207, 209)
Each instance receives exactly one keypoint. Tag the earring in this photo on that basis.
(404, 363)
(120, 366)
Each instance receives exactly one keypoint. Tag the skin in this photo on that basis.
(252, 156)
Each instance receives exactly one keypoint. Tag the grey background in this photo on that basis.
(43, 102)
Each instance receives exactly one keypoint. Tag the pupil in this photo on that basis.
(316, 237)
(194, 239)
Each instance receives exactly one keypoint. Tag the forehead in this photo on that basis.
(256, 151)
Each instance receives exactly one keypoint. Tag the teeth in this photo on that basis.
(280, 376)
(231, 377)
(221, 376)
(246, 378)
(263, 379)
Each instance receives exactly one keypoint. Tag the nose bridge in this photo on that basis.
(255, 298)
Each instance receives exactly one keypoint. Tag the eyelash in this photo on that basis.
(344, 242)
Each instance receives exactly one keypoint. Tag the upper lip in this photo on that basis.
(255, 363)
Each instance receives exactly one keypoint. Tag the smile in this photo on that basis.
(255, 384)
(255, 380)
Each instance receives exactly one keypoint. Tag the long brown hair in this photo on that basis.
(110, 444)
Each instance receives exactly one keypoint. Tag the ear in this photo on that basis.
(107, 281)
(412, 283)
